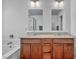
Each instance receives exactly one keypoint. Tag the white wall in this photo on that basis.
(14, 21)
(14, 18)
(73, 17)
(46, 5)
(70, 16)
(67, 14)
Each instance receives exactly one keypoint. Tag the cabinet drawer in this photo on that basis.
(47, 48)
(30, 41)
(46, 40)
(63, 41)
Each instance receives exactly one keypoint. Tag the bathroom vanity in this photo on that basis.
(47, 47)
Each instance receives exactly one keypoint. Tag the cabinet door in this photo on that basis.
(57, 51)
(47, 48)
(68, 51)
(25, 51)
(36, 51)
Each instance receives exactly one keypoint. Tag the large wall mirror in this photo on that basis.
(57, 19)
(35, 19)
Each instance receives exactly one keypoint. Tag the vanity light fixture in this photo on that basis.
(56, 4)
(59, 3)
(32, 3)
(35, 3)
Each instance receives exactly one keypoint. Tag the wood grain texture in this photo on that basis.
(58, 51)
(25, 52)
(36, 51)
(46, 56)
(66, 40)
(47, 48)
(68, 51)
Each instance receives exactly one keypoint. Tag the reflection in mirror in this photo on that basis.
(35, 19)
(40, 28)
(57, 19)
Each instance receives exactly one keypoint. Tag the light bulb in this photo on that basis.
(56, 4)
(32, 4)
(61, 4)
(37, 3)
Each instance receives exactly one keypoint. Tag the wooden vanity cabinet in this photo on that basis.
(47, 48)
(31, 49)
(63, 49)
